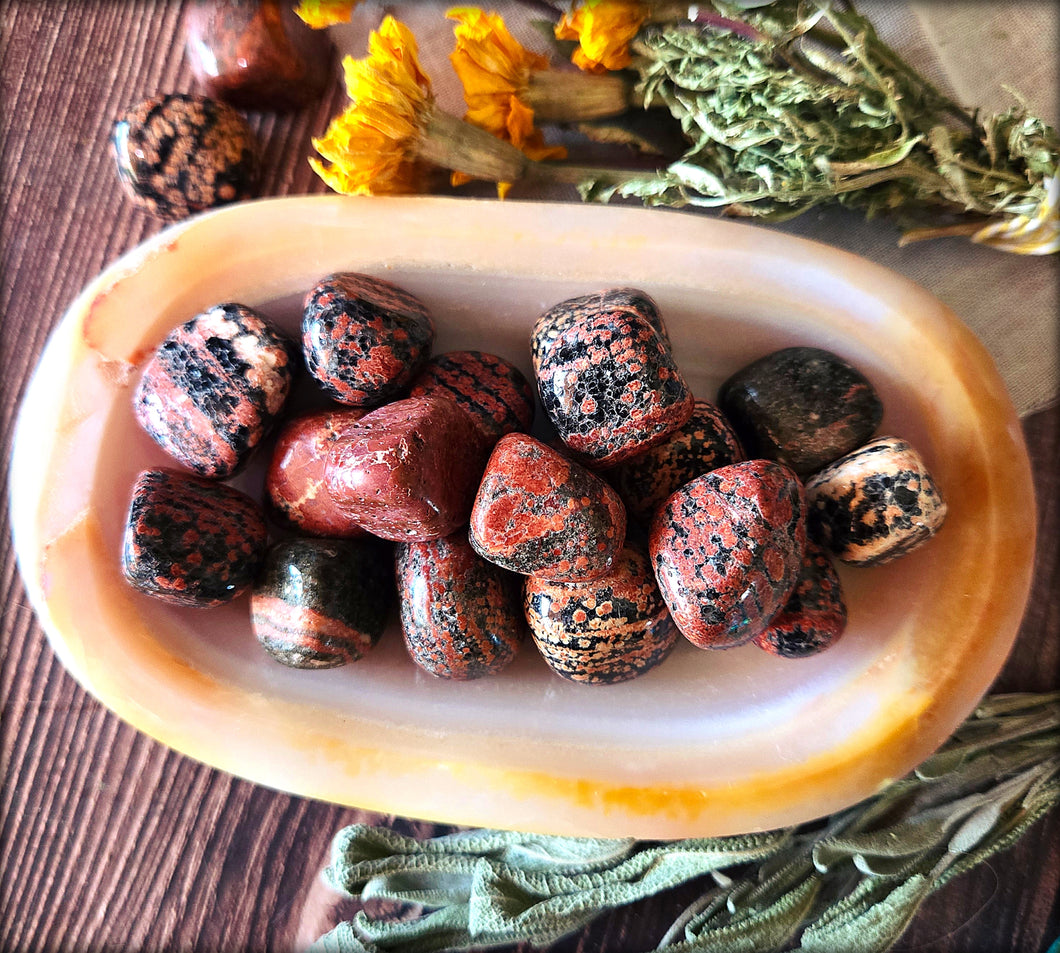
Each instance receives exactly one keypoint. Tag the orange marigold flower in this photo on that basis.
(495, 69)
(603, 29)
(371, 145)
(323, 13)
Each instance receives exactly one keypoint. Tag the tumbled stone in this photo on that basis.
(295, 481)
(801, 406)
(179, 154)
(256, 54)
(492, 390)
(322, 603)
(875, 504)
(815, 615)
(407, 471)
(610, 629)
(614, 301)
(538, 513)
(460, 614)
(191, 541)
(704, 443)
(364, 339)
(727, 549)
(611, 387)
(215, 387)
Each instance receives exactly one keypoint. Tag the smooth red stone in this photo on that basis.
(407, 471)
(727, 550)
(815, 615)
(538, 513)
(492, 390)
(459, 613)
(295, 482)
(608, 630)
(257, 54)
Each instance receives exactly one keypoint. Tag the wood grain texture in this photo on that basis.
(108, 840)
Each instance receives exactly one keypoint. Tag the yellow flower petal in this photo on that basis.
(324, 13)
(603, 29)
(494, 69)
(370, 145)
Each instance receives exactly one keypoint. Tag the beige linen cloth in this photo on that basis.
(974, 50)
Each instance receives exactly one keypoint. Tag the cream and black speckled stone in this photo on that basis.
(609, 630)
(321, 603)
(801, 406)
(875, 504)
(179, 154)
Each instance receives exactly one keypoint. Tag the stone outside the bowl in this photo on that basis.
(215, 387)
(875, 504)
(538, 513)
(491, 389)
(190, 541)
(408, 470)
(815, 615)
(256, 54)
(727, 549)
(179, 154)
(460, 614)
(364, 339)
(322, 603)
(801, 406)
(295, 483)
(706, 442)
(608, 630)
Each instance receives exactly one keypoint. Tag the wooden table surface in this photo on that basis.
(110, 841)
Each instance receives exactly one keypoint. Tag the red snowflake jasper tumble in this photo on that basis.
(364, 339)
(727, 549)
(607, 381)
(538, 513)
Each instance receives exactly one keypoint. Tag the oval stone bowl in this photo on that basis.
(709, 742)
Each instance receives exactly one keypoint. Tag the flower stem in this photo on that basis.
(457, 145)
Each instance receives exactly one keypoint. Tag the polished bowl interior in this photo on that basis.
(708, 743)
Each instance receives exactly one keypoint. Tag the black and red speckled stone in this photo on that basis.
(322, 603)
(875, 504)
(460, 614)
(364, 339)
(215, 387)
(190, 541)
(801, 406)
(256, 54)
(611, 388)
(704, 443)
(613, 301)
(407, 471)
(492, 390)
(179, 154)
(815, 615)
(538, 513)
(727, 550)
(295, 480)
(608, 630)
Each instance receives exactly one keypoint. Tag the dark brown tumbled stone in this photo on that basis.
(321, 603)
(801, 406)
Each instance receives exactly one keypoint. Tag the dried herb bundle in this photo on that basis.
(851, 883)
(794, 104)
